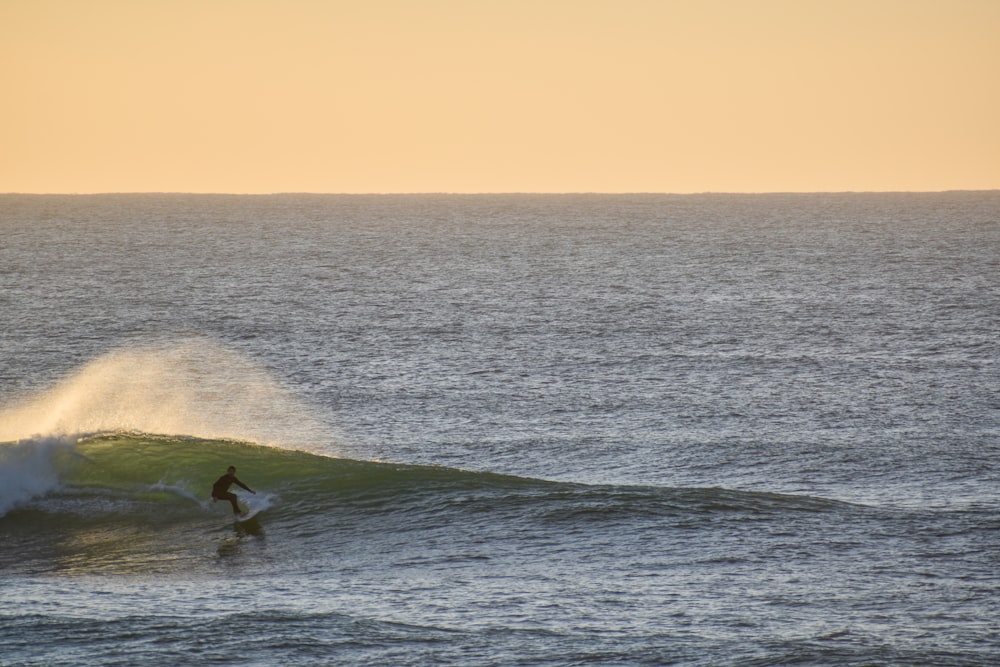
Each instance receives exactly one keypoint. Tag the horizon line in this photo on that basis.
(491, 193)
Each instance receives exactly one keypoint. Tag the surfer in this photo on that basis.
(220, 490)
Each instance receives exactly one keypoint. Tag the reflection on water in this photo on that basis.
(244, 534)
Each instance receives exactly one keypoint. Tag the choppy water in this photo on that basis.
(693, 430)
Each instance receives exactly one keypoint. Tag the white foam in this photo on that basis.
(28, 469)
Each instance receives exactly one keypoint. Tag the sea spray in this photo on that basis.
(192, 388)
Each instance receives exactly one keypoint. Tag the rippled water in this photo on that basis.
(696, 430)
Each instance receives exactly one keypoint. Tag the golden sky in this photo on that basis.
(251, 96)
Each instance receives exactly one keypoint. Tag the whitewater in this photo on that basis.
(501, 429)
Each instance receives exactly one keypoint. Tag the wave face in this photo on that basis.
(141, 502)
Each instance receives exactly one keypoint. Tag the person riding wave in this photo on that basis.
(220, 490)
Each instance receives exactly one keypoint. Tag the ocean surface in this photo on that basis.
(501, 429)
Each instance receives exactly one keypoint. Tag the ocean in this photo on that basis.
(690, 430)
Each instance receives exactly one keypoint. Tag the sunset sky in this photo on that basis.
(255, 96)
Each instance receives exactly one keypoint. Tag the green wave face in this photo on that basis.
(176, 475)
(123, 462)
(128, 461)
(131, 503)
(140, 503)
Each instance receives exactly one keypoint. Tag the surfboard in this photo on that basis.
(250, 513)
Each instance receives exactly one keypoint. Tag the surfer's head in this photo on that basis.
(231, 470)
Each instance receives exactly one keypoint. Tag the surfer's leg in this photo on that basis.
(232, 499)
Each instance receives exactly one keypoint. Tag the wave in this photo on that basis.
(223, 404)
(137, 503)
(174, 475)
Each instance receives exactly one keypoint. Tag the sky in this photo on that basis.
(372, 96)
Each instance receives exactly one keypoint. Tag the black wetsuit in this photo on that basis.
(220, 490)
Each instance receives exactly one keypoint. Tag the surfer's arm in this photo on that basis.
(239, 483)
